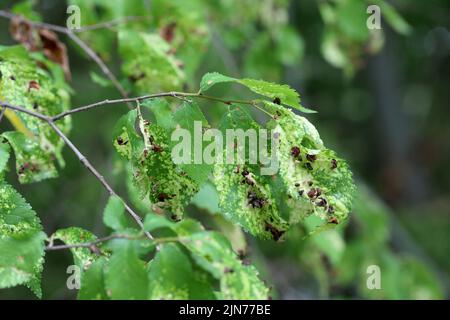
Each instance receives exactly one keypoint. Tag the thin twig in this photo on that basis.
(109, 24)
(93, 244)
(81, 157)
(172, 94)
(96, 58)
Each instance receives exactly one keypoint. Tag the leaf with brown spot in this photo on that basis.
(55, 50)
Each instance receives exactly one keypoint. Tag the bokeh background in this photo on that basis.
(383, 104)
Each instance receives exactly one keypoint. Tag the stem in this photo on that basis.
(93, 244)
(172, 94)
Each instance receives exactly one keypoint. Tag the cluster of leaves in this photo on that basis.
(189, 262)
(313, 186)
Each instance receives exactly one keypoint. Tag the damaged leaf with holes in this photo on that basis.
(317, 181)
(146, 146)
(23, 83)
(21, 242)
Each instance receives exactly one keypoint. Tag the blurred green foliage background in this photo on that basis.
(382, 99)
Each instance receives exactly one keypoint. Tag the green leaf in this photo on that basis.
(189, 117)
(126, 275)
(213, 253)
(163, 113)
(4, 156)
(82, 257)
(24, 84)
(32, 163)
(147, 63)
(154, 173)
(213, 78)
(173, 276)
(351, 17)
(285, 94)
(245, 198)
(317, 181)
(114, 214)
(21, 242)
(21, 260)
(93, 283)
(207, 198)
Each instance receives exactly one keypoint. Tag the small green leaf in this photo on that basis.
(213, 78)
(285, 94)
(114, 214)
(126, 275)
(93, 283)
(173, 276)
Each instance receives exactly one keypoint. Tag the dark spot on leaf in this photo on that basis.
(295, 152)
(228, 270)
(333, 220)
(311, 157)
(168, 32)
(277, 100)
(121, 142)
(321, 202)
(333, 164)
(330, 209)
(12, 78)
(254, 200)
(276, 234)
(33, 85)
(314, 193)
(163, 197)
(308, 166)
